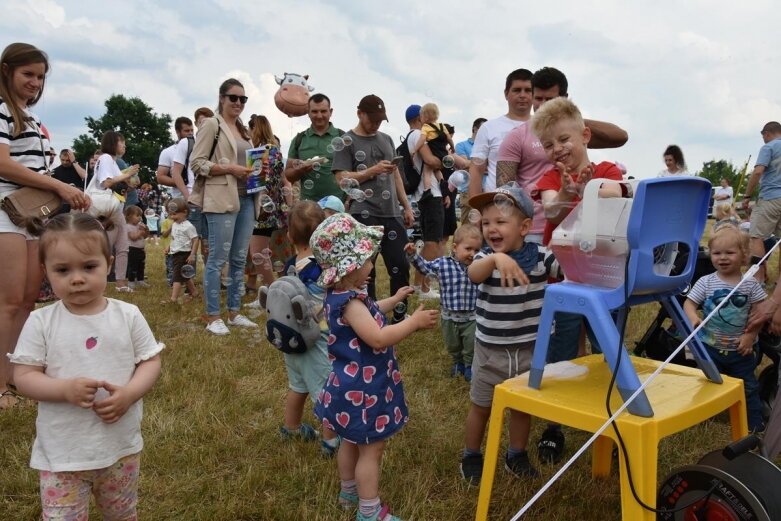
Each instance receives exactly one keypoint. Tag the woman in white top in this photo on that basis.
(23, 70)
(673, 159)
(107, 175)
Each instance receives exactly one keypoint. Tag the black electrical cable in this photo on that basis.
(706, 495)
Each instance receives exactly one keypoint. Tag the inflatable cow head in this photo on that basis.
(293, 94)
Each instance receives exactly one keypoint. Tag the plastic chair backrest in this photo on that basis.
(665, 210)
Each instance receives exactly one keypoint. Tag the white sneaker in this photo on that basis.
(218, 328)
(124, 289)
(241, 321)
(431, 294)
(255, 304)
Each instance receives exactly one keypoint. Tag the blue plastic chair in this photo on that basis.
(664, 210)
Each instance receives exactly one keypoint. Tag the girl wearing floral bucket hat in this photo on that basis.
(363, 398)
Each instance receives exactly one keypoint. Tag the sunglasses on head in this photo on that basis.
(235, 97)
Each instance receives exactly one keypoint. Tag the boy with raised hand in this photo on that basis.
(564, 136)
(511, 274)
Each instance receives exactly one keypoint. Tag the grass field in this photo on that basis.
(212, 449)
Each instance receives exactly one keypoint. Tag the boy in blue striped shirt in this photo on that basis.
(458, 295)
(512, 275)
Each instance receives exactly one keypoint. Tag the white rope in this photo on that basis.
(749, 273)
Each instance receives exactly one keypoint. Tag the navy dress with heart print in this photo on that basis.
(363, 398)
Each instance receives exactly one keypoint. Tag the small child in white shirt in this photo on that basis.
(184, 244)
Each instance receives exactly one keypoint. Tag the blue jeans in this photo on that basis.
(732, 363)
(229, 235)
(563, 343)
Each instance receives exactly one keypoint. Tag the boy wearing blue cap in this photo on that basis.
(511, 274)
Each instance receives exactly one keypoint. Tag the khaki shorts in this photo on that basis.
(766, 219)
(494, 365)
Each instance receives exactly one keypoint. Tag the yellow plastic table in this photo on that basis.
(681, 397)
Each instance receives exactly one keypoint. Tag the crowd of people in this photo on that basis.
(322, 215)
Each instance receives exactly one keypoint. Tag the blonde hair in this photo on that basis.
(552, 112)
(261, 133)
(467, 231)
(729, 231)
(723, 211)
(429, 113)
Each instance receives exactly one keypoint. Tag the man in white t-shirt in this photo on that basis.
(518, 93)
(722, 195)
(183, 126)
(430, 202)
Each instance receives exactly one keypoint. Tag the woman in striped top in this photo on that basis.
(23, 71)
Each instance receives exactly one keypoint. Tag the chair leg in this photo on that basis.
(643, 454)
(495, 427)
(701, 355)
(737, 418)
(542, 342)
(601, 457)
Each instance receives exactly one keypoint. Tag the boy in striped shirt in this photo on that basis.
(458, 295)
(511, 274)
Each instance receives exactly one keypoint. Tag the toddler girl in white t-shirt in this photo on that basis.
(88, 360)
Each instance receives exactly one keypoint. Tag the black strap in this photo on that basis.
(190, 145)
(299, 139)
(216, 138)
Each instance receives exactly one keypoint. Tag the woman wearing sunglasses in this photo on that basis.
(219, 162)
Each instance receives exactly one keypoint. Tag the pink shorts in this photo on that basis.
(65, 495)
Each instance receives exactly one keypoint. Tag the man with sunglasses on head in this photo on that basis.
(317, 180)
(366, 172)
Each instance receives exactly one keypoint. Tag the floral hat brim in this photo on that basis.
(342, 245)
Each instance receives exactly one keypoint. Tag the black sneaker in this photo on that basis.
(550, 448)
(521, 466)
(472, 469)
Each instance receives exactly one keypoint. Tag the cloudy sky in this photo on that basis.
(702, 74)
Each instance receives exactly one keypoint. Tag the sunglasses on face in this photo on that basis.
(235, 97)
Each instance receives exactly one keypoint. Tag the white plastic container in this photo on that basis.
(590, 243)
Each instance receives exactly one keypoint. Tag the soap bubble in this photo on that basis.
(266, 253)
(360, 155)
(257, 259)
(278, 266)
(226, 246)
(224, 161)
(188, 271)
(214, 293)
(460, 180)
(348, 184)
(504, 203)
(226, 280)
(347, 140)
(240, 289)
(316, 166)
(267, 204)
(330, 149)
(357, 194)
(360, 168)
(172, 208)
(365, 214)
(415, 213)
(337, 143)
(478, 161)
(317, 176)
(419, 246)
(392, 235)
(448, 162)
(309, 184)
(149, 212)
(286, 190)
(395, 269)
(368, 192)
(386, 194)
(296, 191)
(400, 308)
(474, 216)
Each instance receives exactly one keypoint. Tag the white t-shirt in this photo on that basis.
(487, 142)
(106, 168)
(167, 160)
(106, 346)
(667, 173)
(417, 160)
(722, 191)
(180, 156)
(182, 235)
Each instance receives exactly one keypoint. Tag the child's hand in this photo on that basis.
(111, 409)
(190, 259)
(746, 345)
(81, 391)
(509, 271)
(410, 248)
(573, 182)
(166, 250)
(406, 291)
(696, 322)
(424, 318)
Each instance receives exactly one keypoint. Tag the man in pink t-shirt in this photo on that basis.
(521, 157)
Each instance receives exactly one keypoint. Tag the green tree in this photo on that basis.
(714, 171)
(146, 133)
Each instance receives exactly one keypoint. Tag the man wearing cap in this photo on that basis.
(766, 217)
(317, 180)
(379, 192)
(430, 203)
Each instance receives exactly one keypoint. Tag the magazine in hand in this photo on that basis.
(259, 160)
